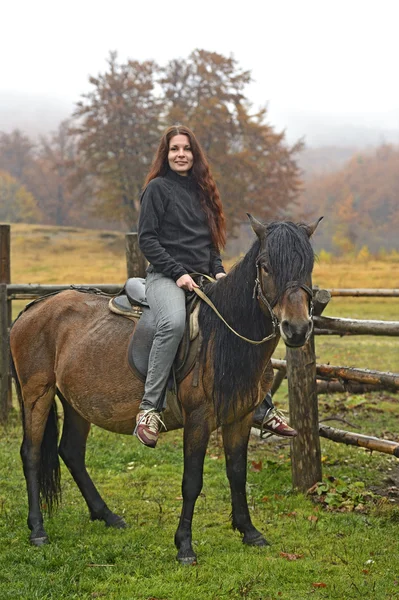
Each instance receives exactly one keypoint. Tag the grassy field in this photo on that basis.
(344, 546)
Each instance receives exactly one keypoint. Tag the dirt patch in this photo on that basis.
(389, 488)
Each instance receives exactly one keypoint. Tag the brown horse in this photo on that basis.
(69, 344)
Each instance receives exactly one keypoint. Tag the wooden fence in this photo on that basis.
(300, 365)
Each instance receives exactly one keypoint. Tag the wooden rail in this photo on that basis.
(356, 326)
(388, 380)
(29, 291)
(365, 292)
(357, 439)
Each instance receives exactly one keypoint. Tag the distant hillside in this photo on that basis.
(325, 159)
(360, 202)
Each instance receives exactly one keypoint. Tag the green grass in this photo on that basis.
(87, 560)
(355, 554)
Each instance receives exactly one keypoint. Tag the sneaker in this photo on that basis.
(274, 423)
(148, 424)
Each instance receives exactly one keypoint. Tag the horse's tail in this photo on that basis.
(50, 472)
(49, 469)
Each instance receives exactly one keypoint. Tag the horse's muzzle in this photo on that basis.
(295, 334)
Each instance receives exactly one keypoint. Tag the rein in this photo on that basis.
(258, 292)
(205, 298)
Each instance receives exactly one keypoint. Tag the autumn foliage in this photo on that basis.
(94, 167)
(360, 202)
(90, 172)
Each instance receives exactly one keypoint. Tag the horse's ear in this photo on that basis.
(311, 228)
(257, 226)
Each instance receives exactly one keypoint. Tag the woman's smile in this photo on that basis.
(180, 155)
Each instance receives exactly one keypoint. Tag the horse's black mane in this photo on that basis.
(238, 364)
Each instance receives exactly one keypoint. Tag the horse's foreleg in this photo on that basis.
(235, 441)
(72, 450)
(196, 437)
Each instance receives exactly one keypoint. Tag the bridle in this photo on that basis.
(260, 295)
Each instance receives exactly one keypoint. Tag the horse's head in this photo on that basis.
(284, 277)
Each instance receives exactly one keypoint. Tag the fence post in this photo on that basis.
(5, 320)
(304, 415)
(135, 261)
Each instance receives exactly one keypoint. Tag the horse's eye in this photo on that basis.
(265, 269)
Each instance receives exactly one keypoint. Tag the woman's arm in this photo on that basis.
(216, 264)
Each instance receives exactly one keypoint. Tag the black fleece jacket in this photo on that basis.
(173, 232)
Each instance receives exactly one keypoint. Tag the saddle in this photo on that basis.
(132, 304)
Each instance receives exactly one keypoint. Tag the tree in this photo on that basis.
(16, 203)
(254, 167)
(118, 124)
(56, 163)
(360, 201)
(117, 127)
(17, 155)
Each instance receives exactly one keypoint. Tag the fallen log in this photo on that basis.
(357, 326)
(331, 387)
(357, 439)
(390, 381)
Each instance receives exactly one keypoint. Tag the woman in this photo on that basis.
(181, 231)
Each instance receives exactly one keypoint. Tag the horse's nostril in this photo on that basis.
(286, 326)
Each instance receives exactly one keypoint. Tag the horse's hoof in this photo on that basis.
(118, 524)
(257, 541)
(187, 561)
(39, 541)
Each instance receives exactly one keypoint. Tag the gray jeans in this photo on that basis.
(168, 303)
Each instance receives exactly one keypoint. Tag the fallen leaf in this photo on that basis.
(292, 514)
(265, 499)
(313, 518)
(319, 585)
(366, 571)
(256, 466)
(312, 489)
(290, 556)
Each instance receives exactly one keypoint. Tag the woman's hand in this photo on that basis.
(220, 275)
(187, 283)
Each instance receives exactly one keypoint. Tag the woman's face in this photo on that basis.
(180, 156)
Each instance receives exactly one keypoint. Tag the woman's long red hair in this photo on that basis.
(209, 194)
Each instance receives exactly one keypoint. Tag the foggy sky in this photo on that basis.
(318, 65)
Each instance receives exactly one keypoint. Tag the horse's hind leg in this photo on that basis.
(235, 441)
(72, 450)
(196, 437)
(39, 457)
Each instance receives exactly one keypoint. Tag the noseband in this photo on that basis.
(259, 294)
